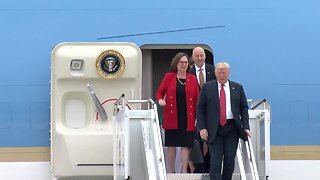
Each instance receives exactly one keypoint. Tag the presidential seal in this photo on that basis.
(110, 64)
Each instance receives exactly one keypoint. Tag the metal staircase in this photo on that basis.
(139, 147)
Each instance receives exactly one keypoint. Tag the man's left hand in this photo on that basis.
(248, 132)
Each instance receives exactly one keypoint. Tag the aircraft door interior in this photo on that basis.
(84, 76)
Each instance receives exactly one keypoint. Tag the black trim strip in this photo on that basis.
(94, 165)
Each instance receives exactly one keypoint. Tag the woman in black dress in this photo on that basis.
(178, 93)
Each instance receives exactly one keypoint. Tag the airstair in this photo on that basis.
(138, 150)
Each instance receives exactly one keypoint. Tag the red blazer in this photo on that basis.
(167, 91)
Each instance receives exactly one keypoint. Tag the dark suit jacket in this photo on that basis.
(209, 72)
(208, 109)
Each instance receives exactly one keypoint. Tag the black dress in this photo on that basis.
(180, 137)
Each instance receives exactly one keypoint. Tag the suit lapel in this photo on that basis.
(232, 94)
(193, 70)
(209, 74)
(216, 95)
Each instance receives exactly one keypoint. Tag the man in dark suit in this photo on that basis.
(199, 57)
(222, 118)
(204, 73)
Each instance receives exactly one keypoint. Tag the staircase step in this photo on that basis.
(195, 176)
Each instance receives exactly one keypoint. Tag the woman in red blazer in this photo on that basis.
(178, 93)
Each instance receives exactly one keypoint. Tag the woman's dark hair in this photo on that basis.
(176, 59)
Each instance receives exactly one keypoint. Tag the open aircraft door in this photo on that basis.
(84, 76)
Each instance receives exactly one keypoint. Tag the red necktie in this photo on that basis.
(223, 114)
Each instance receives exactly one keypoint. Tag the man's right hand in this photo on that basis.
(204, 134)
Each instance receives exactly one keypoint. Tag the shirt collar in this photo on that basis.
(226, 85)
(198, 68)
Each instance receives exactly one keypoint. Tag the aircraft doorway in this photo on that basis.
(156, 60)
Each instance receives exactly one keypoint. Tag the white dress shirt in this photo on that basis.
(203, 72)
